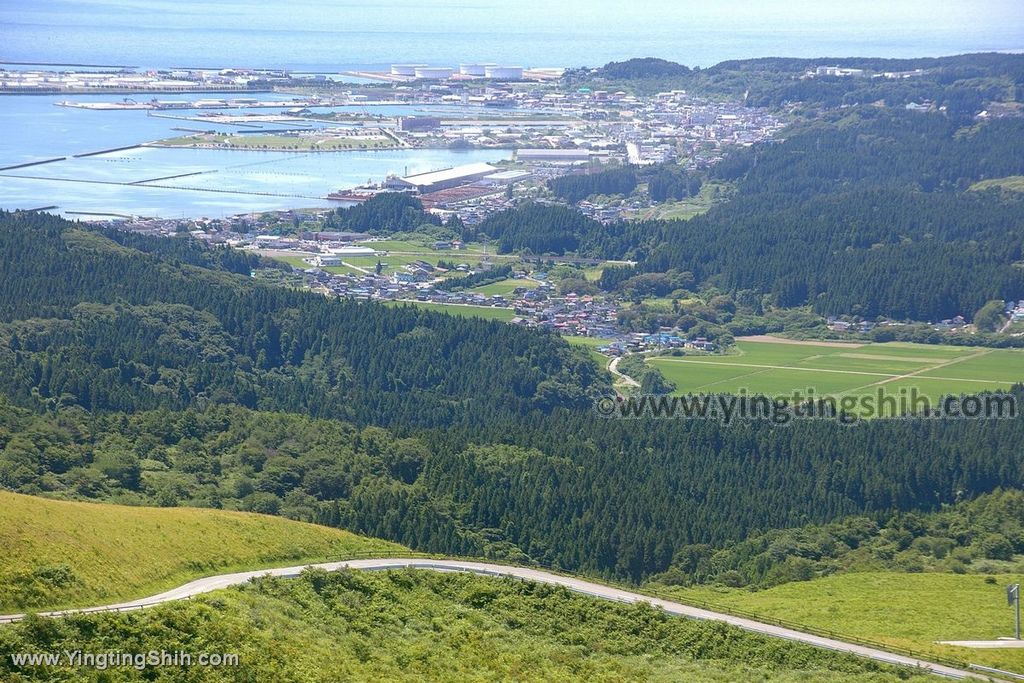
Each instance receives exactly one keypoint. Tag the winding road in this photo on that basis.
(212, 583)
(613, 367)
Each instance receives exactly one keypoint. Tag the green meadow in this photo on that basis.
(69, 554)
(895, 369)
(905, 610)
(591, 344)
(462, 310)
(505, 287)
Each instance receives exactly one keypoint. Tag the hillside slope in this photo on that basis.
(61, 554)
(109, 320)
(422, 626)
(895, 609)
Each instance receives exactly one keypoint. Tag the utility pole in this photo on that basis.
(1013, 599)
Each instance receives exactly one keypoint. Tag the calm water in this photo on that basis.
(225, 181)
(328, 34)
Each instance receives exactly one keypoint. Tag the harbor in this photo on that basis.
(96, 162)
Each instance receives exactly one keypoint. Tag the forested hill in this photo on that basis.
(492, 447)
(867, 212)
(622, 498)
(115, 321)
(387, 211)
(976, 536)
(960, 83)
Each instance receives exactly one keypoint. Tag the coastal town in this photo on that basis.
(537, 128)
(540, 129)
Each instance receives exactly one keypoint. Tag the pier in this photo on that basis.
(104, 151)
(165, 187)
(32, 163)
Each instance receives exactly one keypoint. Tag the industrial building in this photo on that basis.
(405, 69)
(477, 70)
(837, 71)
(320, 236)
(412, 124)
(434, 73)
(542, 154)
(507, 73)
(352, 251)
(507, 177)
(440, 180)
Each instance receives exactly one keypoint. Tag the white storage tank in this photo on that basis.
(474, 69)
(434, 73)
(509, 73)
(405, 69)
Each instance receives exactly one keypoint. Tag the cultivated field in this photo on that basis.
(905, 610)
(782, 368)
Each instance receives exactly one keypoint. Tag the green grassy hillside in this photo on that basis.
(905, 610)
(62, 554)
(1014, 183)
(424, 626)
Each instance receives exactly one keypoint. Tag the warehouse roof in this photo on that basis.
(447, 174)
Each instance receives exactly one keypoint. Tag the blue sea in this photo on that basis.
(142, 181)
(339, 34)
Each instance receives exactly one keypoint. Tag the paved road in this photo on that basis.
(613, 367)
(596, 590)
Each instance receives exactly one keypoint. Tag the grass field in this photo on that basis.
(391, 262)
(65, 554)
(465, 311)
(591, 344)
(505, 287)
(424, 247)
(393, 245)
(906, 610)
(293, 261)
(780, 369)
(297, 262)
(1014, 183)
(685, 208)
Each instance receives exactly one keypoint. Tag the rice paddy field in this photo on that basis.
(780, 368)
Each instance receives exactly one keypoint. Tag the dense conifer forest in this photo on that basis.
(385, 212)
(92, 322)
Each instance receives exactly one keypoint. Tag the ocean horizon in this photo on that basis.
(351, 35)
